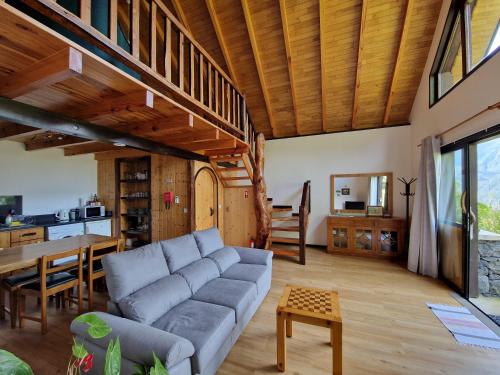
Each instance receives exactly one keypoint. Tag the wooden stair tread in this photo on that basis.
(231, 169)
(286, 252)
(285, 218)
(282, 209)
(284, 239)
(291, 228)
(236, 178)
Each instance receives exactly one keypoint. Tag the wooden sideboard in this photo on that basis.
(366, 236)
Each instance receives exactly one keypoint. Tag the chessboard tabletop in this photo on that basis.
(311, 302)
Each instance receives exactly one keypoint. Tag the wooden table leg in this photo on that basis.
(289, 328)
(336, 342)
(280, 341)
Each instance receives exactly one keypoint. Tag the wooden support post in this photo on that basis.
(153, 36)
(202, 85)
(136, 41)
(168, 50)
(210, 88)
(181, 61)
(262, 213)
(85, 11)
(113, 21)
(191, 70)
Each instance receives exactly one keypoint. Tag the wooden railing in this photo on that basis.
(304, 210)
(147, 37)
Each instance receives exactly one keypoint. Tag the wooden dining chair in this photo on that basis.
(54, 279)
(93, 266)
(11, 285)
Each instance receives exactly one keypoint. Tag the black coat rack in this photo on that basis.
(407, 193)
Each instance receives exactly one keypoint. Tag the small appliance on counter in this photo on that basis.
(92, 211)
(74, 214)
(62, 215)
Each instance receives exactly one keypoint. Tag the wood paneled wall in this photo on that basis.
(236, 212)
(167, 174)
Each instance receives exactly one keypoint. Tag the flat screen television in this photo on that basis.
(353, 205)
(10, 202)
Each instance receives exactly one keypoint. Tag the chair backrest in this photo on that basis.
(99, 250)
(48, 264)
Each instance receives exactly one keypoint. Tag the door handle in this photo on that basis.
(211, 211)
(462, 202)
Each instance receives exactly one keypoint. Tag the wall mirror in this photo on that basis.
(353, 193)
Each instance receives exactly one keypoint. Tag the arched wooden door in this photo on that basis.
(206, 201)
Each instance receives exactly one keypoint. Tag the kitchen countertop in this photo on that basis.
(55, 224)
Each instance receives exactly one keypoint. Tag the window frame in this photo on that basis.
(458, 8)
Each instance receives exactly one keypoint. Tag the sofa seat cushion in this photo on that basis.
(129, 271)
(199, 273)
(236, 294)
(207, 326)
(225, 258)
(155, 300)
(208, 241)
(256, 273)
(180, 251)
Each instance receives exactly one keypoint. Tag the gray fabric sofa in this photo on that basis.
(186, 299)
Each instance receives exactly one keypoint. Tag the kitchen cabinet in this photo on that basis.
(4, 240)
(22, 236)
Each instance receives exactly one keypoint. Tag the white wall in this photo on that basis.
(358, 190)
(46, 179)
(290, 162)
(475, 93)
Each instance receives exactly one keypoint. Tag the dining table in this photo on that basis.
(20, 257)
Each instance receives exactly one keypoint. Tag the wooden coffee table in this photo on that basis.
(318, 307)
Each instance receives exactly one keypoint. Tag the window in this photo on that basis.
(471, 35)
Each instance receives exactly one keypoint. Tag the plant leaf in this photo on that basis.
(140, 370)
(79, 350)
(158, 368)
(112, 365)
(10, 364)
(98, 328)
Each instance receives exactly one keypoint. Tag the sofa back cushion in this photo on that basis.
(153, 301)
(199, 273)
(129, 271)
(180, 251)
(225, 258)
(208, 241)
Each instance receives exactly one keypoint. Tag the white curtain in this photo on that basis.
(423, 253)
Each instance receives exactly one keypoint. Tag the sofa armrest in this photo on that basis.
(250, 255)
(139, 341)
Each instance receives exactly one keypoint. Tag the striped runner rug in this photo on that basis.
(465, 327)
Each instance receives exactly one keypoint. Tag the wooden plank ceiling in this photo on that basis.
(319, 66)
(63, 78)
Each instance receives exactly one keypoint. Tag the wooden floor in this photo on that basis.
(387, 327)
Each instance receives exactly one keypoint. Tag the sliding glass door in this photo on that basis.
(469, 219)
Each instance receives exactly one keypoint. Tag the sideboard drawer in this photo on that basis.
(22, 235)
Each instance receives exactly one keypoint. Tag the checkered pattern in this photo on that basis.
(310, 300)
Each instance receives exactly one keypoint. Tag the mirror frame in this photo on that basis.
(334, 210)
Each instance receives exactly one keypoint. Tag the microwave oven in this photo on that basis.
(92, 211)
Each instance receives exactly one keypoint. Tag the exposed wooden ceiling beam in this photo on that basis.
(397, 64)
(201, 135)
(88, 148)
(359, 64)
(58, 67)
(222, 42)
(180, 12)
(258, 62)
(10, 131)
(210, 145)
(286, 35)
(322, 42)
(57, 140)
